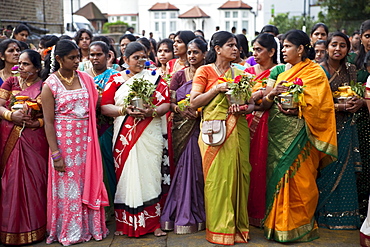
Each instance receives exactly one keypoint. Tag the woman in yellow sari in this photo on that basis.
(226, 166)
(298, 146)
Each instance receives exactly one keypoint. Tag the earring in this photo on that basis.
(218, 53)
(2, 58)
(299, 54)
(127, 71)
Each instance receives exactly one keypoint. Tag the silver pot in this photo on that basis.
(286, 101)
(343, 100)
(137, 102)
(234, 100)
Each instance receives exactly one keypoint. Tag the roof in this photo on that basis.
(123, 14)
(194, 12)
(91, 12)
(163, 6)
(235, 5)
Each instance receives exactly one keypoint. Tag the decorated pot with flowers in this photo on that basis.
(294, 97)
(141, 91)
(240, 89)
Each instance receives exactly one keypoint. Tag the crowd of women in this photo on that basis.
(75, 150)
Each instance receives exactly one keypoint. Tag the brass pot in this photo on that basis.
(287, 102)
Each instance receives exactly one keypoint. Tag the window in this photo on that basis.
(235, 14)
(156, 15)
(235, 24)
(164, 34)
(133, 18)
(164, 15)
(156, 26)
(118, 18)
(173, 15)
(245, 14)
(245, 24)
(227, 25)
(173, 26)
(227, 14)
(125, 18)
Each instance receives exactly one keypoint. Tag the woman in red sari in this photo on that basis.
(265, 52)
(23, 152)
(182, 38)
(138, 145)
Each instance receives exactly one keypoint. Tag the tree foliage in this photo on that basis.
(349, 14)
(285, 23)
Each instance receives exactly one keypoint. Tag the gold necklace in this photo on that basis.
(219, 71)
(68, 81)
(93, 71)
(335, 71)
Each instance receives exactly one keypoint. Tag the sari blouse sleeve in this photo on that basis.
(177, 80)
(7, 87)
(200, 81)
(110, 90)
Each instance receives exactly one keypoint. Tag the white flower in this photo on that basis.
(166, 179)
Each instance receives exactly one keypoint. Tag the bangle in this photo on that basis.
(41, 122)
(336, 108)
(122, 111)
(56, 158)
(155, 113)
(55, 153)
(243, 107)
(268, 99)
(7, 115)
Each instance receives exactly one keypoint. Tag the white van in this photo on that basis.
(79, 22)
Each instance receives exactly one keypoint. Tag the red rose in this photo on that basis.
(298, 81)
(237, 79)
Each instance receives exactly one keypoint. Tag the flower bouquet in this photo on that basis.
(294, 97)
(182, 104)
(240, 89)
(24, 102)
(141, 91)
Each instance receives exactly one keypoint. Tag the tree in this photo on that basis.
(285, 23)
(347, 14)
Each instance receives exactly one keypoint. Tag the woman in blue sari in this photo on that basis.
(99, 58)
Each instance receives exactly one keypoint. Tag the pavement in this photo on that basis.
(332, 238)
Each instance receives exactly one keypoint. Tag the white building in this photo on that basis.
(167, 16)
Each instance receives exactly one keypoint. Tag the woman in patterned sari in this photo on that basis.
(23, 152)
(265, 53)
(226, 167)
(138, 147)
(297, 146)
(338, 204)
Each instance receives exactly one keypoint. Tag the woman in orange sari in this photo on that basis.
(297, 145)
(226, 166)
(265, 54)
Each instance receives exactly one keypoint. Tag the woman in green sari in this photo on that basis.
(226, 166)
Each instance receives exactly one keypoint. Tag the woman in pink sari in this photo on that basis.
(23, 152)
(76, 192)
(265, 52)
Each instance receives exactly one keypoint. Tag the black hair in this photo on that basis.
(218, 39)
(106, 40)
(169, 43)
(3, 46)
(367, 59)
(62, 49)
(80, 32)
(348, 43)
(47, 41)
(154, 44)
(270, 29)
(133, 47)
(35, 59)
(171, 34)
(297, 38)
(267, 40)
(243, 43)
(64, 36)
(20, 28)
(317, 25)
(127, 36)
(185, 35)
(319, 42)
(199, 31)
(24, 45)
(144, 41)
(104, 47)
(201, 45)
(355, 33)
(359, 61)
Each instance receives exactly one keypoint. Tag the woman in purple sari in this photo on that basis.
(23, 152)
(184, 208)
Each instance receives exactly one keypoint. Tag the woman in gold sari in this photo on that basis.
(226, 166)
(297, 145)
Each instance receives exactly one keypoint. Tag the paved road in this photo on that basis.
(336, 238)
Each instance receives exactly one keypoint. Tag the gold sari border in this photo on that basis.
(4, 94)
(23, 238)
(324, 147)
(226, 238)
(303, 233)
(12, 140)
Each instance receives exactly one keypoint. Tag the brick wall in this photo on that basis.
(39, 13)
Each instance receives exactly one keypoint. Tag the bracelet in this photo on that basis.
(243, 107)
(7, 115)
(336, 107)
(41, 122)
(155, 113)
(55, 153)
(56, 158)
(268, 99)
(122, 111)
